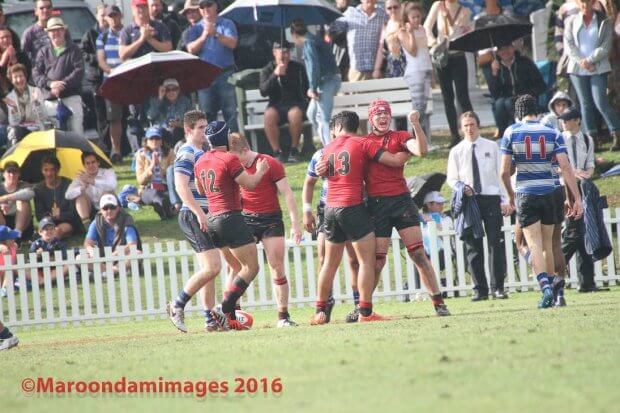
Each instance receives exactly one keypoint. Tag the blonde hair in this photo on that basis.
(237, 142)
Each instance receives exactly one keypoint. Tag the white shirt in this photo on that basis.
(585, 153)
(105, 182)
(488, 157)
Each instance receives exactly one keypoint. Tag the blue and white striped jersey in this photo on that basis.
(187, 156)
(533, 147)
(312, 172)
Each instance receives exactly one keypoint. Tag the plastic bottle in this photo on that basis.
(133, 206)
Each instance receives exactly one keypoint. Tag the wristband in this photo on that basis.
(307, 207)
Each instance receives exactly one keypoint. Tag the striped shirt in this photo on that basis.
(312, 172)
(187, 156)
(533, 147)
(108, 41)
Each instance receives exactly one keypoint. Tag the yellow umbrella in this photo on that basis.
(66, 146)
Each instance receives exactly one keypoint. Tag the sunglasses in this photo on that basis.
(172, 89)
(12, 171)
(109, 207)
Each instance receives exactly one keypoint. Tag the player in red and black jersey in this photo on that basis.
(219, 174)
(344, 163)
(389, 200)
(263, 216)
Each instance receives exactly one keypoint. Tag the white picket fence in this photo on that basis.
(157, 274)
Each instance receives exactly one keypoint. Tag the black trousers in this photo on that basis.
(454, 77)
(491, 214)
(573, 242)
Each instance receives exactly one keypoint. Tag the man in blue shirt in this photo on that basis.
(213, 40)
(532, 147)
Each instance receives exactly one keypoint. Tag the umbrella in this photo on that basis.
(66, 146)
(280, 13)
(419, 186)
(134, 81)
(490, 31)
(612, 172)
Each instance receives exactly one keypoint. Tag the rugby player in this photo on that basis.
(532, 146)
(262, 214)
(219, 174)
(193, 224)
(346, 217)
(389, 200)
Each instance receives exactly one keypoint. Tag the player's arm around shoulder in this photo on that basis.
(245, 179)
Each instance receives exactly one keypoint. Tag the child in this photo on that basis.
(48, 243)
(8, 247)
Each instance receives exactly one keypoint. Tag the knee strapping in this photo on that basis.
(380, 256)
(414, 247)
(280, 281)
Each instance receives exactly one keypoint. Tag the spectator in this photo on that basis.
(59, 69)
(156, 13)
(50, 200)
(167, 110)
(587, 41)
(512, 75)
(15, 196)
(89, 186)
(143, 35)
(152, 162)
(419, 70)
(323, 78)
(113, 228)
(108, 58)
(580, 151)
(390, 51)
(26, 106)
(213, 39)
(47, 242)
(474, 164)
(433, 211)
(450, 20)
(35, 36)
(285, 83)
(558, 104)
(10, 55)
(339, 42)
(363, 25)
(15, 40)
(191, 11)
(8, 247)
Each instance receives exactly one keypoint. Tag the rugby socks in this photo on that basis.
(437, 299)
(283, 315)
(5, 334)
(365, 308)
(558, 285)
(208, 315)
(356, 297)
(235, 291)
(543, 281)
(320, 306)
(182, 299)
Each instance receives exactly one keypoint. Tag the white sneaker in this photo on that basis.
(177, 316)
(286, 322)
(8, 343)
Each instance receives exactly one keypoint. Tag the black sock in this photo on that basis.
(236, 290)
(4, 334)
(365, 308)
(437, 299)
(356, 297)
(208, 315)
(283, 315)
(182, 299)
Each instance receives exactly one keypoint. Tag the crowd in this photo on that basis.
(41, 82)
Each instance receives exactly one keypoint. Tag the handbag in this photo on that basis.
(439, 53)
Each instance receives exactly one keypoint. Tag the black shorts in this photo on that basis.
(320, 218)
(200, 241)
(560, 196)
(229, 230)
(265, 225)
(533, 208)
(393, 212)
(283, 109)
(347, 223)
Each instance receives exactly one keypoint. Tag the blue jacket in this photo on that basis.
(319, 60)
(468, 222)
(596, 238)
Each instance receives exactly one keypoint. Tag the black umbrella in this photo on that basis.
(491, 31)
(419, 186)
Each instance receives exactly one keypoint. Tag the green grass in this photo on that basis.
(491, 356)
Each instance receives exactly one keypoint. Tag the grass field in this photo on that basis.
(492, 356)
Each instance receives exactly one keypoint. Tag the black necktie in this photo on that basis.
(574, 138)
(476, 171)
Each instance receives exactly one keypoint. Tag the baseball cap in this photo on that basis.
(153, 132)
(206, 3)
(217, 133)
(170, 82)
(55, 23)
(139, 3)
(112, 10)
(108, 199)
(570, 114)
(434, 196)
(45, 222)
(190, 5)
(11, 166)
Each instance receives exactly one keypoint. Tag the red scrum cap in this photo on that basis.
(378, 105)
